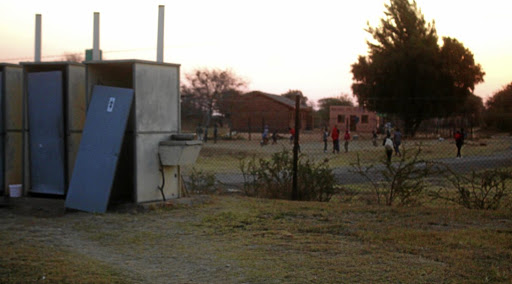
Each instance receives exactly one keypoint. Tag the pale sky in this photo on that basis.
(276, 45)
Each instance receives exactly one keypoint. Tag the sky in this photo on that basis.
(275, 45)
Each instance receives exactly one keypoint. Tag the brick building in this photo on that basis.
(356, 119)
(255, 109)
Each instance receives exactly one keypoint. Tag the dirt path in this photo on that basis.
(147, 247)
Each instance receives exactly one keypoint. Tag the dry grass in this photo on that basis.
(330, 243)
(31, 261)
(248, 240)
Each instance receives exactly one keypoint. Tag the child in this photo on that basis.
(347, 140)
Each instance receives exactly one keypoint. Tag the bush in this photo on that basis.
(273, 178)
(402, 182)
(483, 190)
(201, 182)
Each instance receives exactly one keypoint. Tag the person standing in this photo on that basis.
(264, 136)
(397, 139)
(388, 146)
(199, 132)
(347, 138)
(459, 141)
(274, 137)
(335, 135)
(325, 138)
(292, 134)
(374, 138)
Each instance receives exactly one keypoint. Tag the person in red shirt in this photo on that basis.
(459, 141)
(347, 140)
(335, 135)
(292, 134)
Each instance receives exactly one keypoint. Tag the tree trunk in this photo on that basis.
(411, 125)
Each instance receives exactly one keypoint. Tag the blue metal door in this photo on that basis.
(98, 154)
(46, 133)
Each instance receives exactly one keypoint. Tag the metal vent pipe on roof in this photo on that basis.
(96, 37)
(37, 50)
(160, 40)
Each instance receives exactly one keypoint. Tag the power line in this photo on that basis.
(63, 54)
(17, 59)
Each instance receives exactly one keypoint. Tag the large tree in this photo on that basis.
(499, 109)
(291, 94)
(406, 72)
(459, 66)
(208, 91)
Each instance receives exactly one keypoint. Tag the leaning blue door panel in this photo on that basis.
(99, 150)
(46, 132)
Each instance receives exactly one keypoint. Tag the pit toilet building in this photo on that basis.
(154, 117)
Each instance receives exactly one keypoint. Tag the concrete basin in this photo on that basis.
(179, 150)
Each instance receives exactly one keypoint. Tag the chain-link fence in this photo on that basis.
(221, 156)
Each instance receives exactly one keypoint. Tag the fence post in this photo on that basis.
(249, 121)
(296, 148)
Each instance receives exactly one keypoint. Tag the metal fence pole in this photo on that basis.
(296, 148)
(249, 128)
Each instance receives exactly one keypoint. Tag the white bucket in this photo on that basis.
(15, 190)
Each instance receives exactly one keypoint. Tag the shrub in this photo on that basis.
(273, 178)
(401, 182)
(201, 182)
(478, 190)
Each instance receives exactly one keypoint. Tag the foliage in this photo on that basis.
(479, 190)
(73, 57)
(473, 109)
(206, 90)
(201, 182)
(191, 107)
(272, 178)
(326, 103)
(226, 104)
(291, 94)
(459, 64)
(402, 182)
(407, 74)
(499, 109)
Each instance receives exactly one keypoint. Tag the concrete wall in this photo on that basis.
(263, 110)
(76, 110)
(157, 101)
(13, 99)
(348, 112)
(157, 112)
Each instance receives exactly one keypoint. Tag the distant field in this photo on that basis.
(224, 156)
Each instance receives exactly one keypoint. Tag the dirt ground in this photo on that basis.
(235, 239)
(181, 259)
